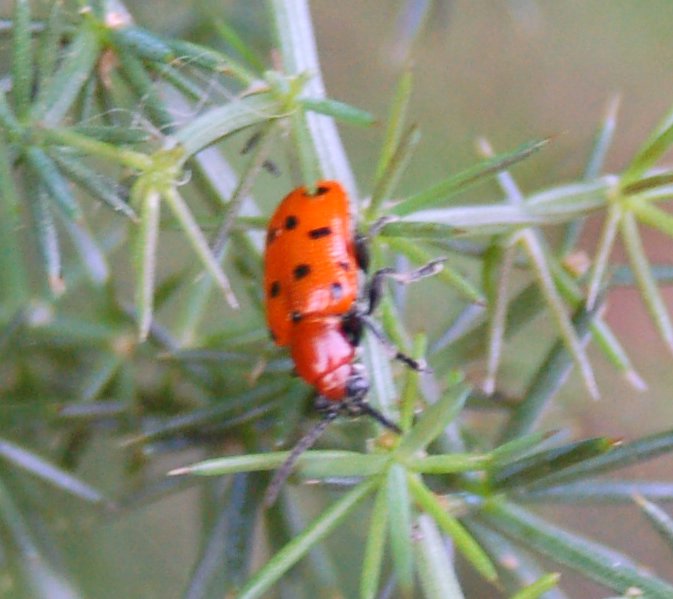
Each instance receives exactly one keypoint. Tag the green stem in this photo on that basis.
(68, 137)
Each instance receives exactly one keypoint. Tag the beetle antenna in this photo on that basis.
(380, 418)
(306, 442)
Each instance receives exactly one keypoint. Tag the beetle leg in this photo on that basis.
(379, 223)
(362, 240)
(366, 409)
(391, 349)
(375, 286)
(253, 142)
(361, 248)
(306, 442)
(351, 326)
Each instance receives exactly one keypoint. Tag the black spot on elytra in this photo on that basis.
(291, 222)
(322, 190)
(296, 316)
(336, 290)
(300, 271)
(274, 290)
(320, 232)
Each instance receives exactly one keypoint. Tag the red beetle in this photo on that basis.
(312, 265)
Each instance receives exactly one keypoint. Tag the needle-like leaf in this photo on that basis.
(339, 110)
(434, 419)
(441, 192)
(374, 549)
(532, 467)
(397, 164)
(645, 279)
(660, 520)
(621, 456)
(57, 188)
(47, 239)
(50, 41)
(90, 254)
(42, 580)
(290, 554)
(97, 184)
(463, 540)
(200, 244)
(536, 589)
(395, 124)
(57, 97)
(546, 382)
(498, 302)
(651, 151)
(436, 568)
(595, 561)
(13, 277)
(27, 460)
(570, 338)
(516, 573)
(22, 57)
(400, 529)
(143, 43)
(601, 145)
(144, 258)
(603, 250)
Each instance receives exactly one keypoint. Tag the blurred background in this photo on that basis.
(509, 70)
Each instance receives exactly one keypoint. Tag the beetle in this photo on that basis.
(317, 306)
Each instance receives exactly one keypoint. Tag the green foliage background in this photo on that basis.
(92, 418)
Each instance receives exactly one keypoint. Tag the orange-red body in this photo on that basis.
(311, 287)
(311, 283)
